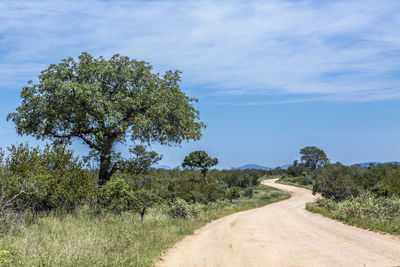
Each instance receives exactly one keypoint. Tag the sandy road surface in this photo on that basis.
(283, 234)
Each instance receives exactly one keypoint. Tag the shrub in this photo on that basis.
(240, 178)
(196, 209)
(192, 191)
(249, 191)
(179, 209)
(297, 170)
(327, 203)
(234, 192)
(369, 210)
(390, 184)
(45, 179)
(144, 199)
(117, 196)
(337, 182)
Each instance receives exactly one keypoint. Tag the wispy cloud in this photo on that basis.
(303, 50)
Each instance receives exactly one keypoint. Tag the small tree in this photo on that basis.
(104, 102)
(142, 160)
(199, 160)
(313, 157)
(144, 199)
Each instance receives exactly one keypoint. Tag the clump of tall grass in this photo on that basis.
(367, 211)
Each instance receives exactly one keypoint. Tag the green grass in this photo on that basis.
(309, 187)
(86, 239)
(367, 212)
(376, 214)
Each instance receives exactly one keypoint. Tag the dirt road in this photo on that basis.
(283, 234)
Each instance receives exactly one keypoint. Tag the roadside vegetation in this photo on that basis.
(60, 217)
(363, 196)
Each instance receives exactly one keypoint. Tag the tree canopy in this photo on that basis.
(105, 102)
(199, 160)
(312, 157)
(142, 160)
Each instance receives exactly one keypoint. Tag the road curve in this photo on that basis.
(283, 234)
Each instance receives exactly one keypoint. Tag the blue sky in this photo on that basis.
(271, 76)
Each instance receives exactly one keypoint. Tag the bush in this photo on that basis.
(390, 184)
(337, 182)
(192, 191)
(117, 196)
(249, 191)
(295, 171)
(196, 209)
(144, 199)
(243, 179)
(327, 203)
(368, 210)
(234, 193)
(179, 209)
(46, 179)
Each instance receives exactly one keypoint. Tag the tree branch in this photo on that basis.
(115, 167)
(85, 139)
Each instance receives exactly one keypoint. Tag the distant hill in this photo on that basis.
(163, 167)
(284, 167)
(253, 166)
(367, 164)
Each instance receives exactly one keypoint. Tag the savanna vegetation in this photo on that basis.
(54, 214)
(56, 211)
(364, 196)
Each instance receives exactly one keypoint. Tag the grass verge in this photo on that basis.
(83, 238)
(376, 214)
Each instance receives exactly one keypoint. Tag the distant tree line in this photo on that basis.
(340, 182)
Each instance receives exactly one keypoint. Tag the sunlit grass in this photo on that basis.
(84, 238)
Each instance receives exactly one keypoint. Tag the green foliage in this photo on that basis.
(144, 199)
(117, 196)
(340, 182)
(199, 160)
(249, 191)
(366, 210)
(195, 191)
(239, 178)
(84, 238)
(142, 160)
(297, 170)
(304, 179)
(389, 185)
(312, 157)
(337, 182)
(179, 209)
(103, 102)
(46, 179)
(234, 193)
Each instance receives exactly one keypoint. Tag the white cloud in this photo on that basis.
(327, 50)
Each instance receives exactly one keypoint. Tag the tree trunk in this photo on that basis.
(204, 172)
(142, 212)
(105, 168)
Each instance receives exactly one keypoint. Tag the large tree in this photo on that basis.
(312, 157)
(105, 102)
